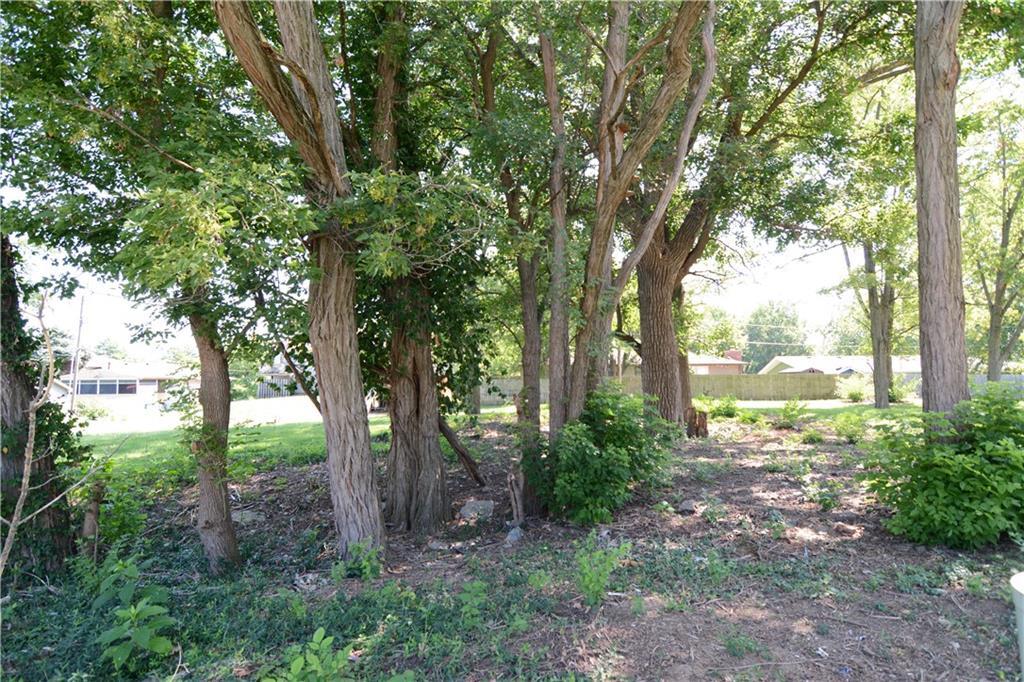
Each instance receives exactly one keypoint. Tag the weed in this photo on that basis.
(792, 414)
(472, 599)
(714, 510)
(811, 437)
(826, 493)
(739, 645)
(594, 567)
(364, 563)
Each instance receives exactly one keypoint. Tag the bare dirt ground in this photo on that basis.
(737, 571)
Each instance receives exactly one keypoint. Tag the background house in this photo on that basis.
(840, 365)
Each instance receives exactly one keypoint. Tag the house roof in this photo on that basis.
(695, 359)
(108, 368)
(838, 364)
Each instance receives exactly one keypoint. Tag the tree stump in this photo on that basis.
(696, 423)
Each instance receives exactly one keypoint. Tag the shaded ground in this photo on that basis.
(736, 572)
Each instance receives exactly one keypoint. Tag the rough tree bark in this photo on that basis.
(617, 166)
(881, 306)
(937, 68)
(17, 391)
(558, 326)
(213, 517)
(661, 364)
(306, 110)
(417, 493)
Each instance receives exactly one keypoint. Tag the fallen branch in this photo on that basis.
(464, 456)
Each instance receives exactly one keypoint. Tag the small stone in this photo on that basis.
(477, 509)
(514, 536)
(845, 529)
(687, 507)
(245, 517)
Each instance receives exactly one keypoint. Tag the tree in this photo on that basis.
(306, 109)
(617, 164)
(875, 217)
(114, 192)
(778, 110)
(109, 348)
(940, 280)
(774, 329)
(994, 232)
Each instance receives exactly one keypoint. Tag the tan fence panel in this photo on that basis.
(499, 391)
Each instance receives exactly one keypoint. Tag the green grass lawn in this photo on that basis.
(161, 461)
(828, 409)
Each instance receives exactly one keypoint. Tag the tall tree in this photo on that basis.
(779, 102)
(774, 329)
(618, 160)
(936, 70)
(306, 109)
(994, 231)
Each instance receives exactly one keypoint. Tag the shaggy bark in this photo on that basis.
(17, 391)
(881, 306)
(617, 166)
(558, 326)
(661, 365)
(936, 67)
(305, 109)
(417, 494)
(213, 517)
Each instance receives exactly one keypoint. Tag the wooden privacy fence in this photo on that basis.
(500, 391)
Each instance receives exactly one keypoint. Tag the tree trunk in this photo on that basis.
(881, 348)
(16, 389)
(309, 118)
(213, 518)
(881, 301)
(661, 364)
(417, 491)
(51, 530)
(558, 327)
(994, 353)
(529, 400)
(943, 346)
(332, 336)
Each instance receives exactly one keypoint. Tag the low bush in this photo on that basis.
(618, 441)
(792, 414)
(811, 437)
(901, 390)
(954, 480)
(594, 567)
(854, 388)
(725, 407)
(850, 427)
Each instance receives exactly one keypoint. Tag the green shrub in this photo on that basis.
(957, 481)
(724, 407)
(618, 441)
(826, 493)
(811, 437)
(594, 567)
(849, 426)
(901, 390)
(791, 415)
(854, 388)
(365, 563)
(140, 630)
(315, 661)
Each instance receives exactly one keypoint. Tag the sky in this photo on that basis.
(795, 276)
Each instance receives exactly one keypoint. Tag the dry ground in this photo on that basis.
(737, 572)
